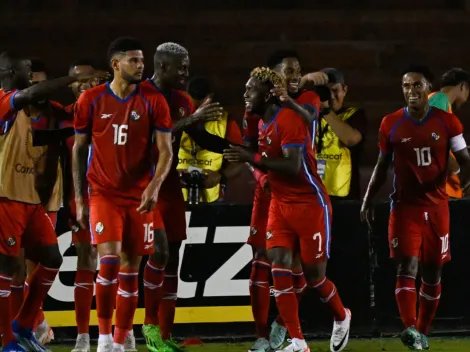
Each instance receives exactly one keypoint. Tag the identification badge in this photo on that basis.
(321, 166)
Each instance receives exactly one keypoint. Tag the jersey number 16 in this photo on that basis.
(120, 134)
(423, 156)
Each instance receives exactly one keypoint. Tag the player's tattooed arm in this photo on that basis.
(377, 180)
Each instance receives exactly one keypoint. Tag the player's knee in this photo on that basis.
(431, 274)
(260, 254)
(87, 257)
(408, 266)
(7, 264)
(280, 256)
(50, 257)
(315, 272)
(162, 252)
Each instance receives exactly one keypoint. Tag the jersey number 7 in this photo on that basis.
(423, 156)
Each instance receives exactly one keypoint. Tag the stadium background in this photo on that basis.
(370, 41)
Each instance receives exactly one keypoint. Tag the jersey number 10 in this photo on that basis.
(120, 134)
(423, 156)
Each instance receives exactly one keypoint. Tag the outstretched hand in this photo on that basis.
(209, 111)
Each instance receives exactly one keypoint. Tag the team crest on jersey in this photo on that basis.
(181, 111)
(11, 242)
(253, 231)
(394, 242)
(435, 136)
(99, 228)
(268, 139)
(134, 115)
(269, 235)
(264, 154)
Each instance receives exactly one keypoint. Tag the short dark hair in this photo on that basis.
(421, 69)
(38, 66)
(82, 62)
(454, 77)
(8, 60)
(123, 44)
(199, 87)
(276, 57)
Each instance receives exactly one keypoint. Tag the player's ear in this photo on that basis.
(115, 63)
(345, 88)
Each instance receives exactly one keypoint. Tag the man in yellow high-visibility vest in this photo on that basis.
(215, 170)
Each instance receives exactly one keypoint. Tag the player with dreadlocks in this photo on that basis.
(300, 210)
(171, 63)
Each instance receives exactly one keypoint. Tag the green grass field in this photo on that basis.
(436, 344)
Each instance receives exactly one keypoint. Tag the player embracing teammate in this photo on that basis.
(299, 211)
(416, 140)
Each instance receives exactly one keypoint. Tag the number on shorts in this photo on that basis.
(423, 156)
(444, 244)
(318, 236)
(148, 233)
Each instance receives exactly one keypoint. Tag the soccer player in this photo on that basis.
(307, 104)
(299, 212)
(81, 238)
(416, 141)
(171, 63)
(455, 86)
(22, 178)
(120, 120)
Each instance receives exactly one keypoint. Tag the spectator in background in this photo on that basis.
(340, 140)
(201, 168)
(38, 69)
(455, 87)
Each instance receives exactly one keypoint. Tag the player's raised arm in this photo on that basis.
(309, 112)
(459, 147)
(83, 124)
(379, 175)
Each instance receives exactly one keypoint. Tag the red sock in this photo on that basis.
(106, 290)
(405, 293)
(259, 294)
(40, 281)
(83, 295)
(16, 301)
(39, 318)
(153, 291)
(300, 284)
(126, 304)
(166, 311)
(5, 317)
(429, 296)
(329, 295)
(286, 300)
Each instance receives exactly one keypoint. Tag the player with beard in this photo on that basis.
(306, 104)
(171, 62)
(416, 140)
(123, 121)
(32, 183)
(299, 211)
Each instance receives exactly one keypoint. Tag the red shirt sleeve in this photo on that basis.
(311, 99)
(250, 127)
(233, 133)
(384, 138)
(83, 117)
(292, 129)
(455, 127)
(7, 107)
(161, 114)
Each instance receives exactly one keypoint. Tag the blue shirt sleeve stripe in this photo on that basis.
(159, 129)
(291, 145)
(12, 101)
(82, 131)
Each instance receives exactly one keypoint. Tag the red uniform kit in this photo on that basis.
(262, 199)
(419, 221)
(171, 206)
(119, 167)
(300, 210)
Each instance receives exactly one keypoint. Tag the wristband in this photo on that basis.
(257, 158)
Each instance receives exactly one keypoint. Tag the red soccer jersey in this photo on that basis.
(287, 129)
(121, 133)
(181, 106)
(420, 154)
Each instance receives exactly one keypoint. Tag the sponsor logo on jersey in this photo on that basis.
(21, 169)
(268, 139)
(253, 231)
(106, 116)
(330, 156)
(405, 140)
(269, 235)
